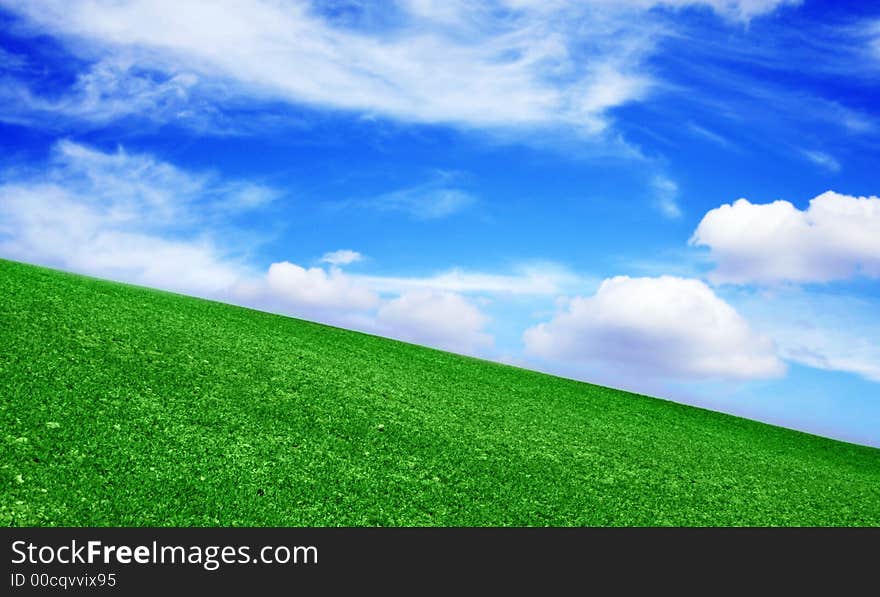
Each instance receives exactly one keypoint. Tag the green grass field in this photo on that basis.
(126, 406)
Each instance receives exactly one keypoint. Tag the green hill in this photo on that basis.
(126, 406)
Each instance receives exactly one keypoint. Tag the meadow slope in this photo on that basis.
(126, 406)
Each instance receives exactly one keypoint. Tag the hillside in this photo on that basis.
(126, 406)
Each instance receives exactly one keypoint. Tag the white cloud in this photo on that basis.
(152, 192)
(665, 328)
(495, 64)
(317, 288)
(440, 196)
(709, 135)
(126, 217)
(134, 218)
(12, 62)
(836, 237)
(821, 330)
(535, 279)
(111, 89)
(442, 319)
(820, 158)
(494, 72)
(424, 202)
(874, 38)
(666, 196)
(735, 9)
(742, 10)
(342, 257)
(833, 350)
(51, 225)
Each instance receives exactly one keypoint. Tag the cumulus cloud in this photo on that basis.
(342, 257)
(495, 64)
(837, 237)
(317, 288)
(666, 328)
(442, 319)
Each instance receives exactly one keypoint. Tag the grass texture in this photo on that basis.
(123, 406)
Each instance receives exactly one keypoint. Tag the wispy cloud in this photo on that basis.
(424, 203)
(705, 133)
(867, 35)
(111, 89)
(342, 257)
(506, 63)
(820, 158)
(125, 216)
(533, 279)
(10, 62)
(742, 10)
(759, 88)
(666, 196)
(823, 330)
(439, 198)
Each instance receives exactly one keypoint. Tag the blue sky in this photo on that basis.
(674, 197)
